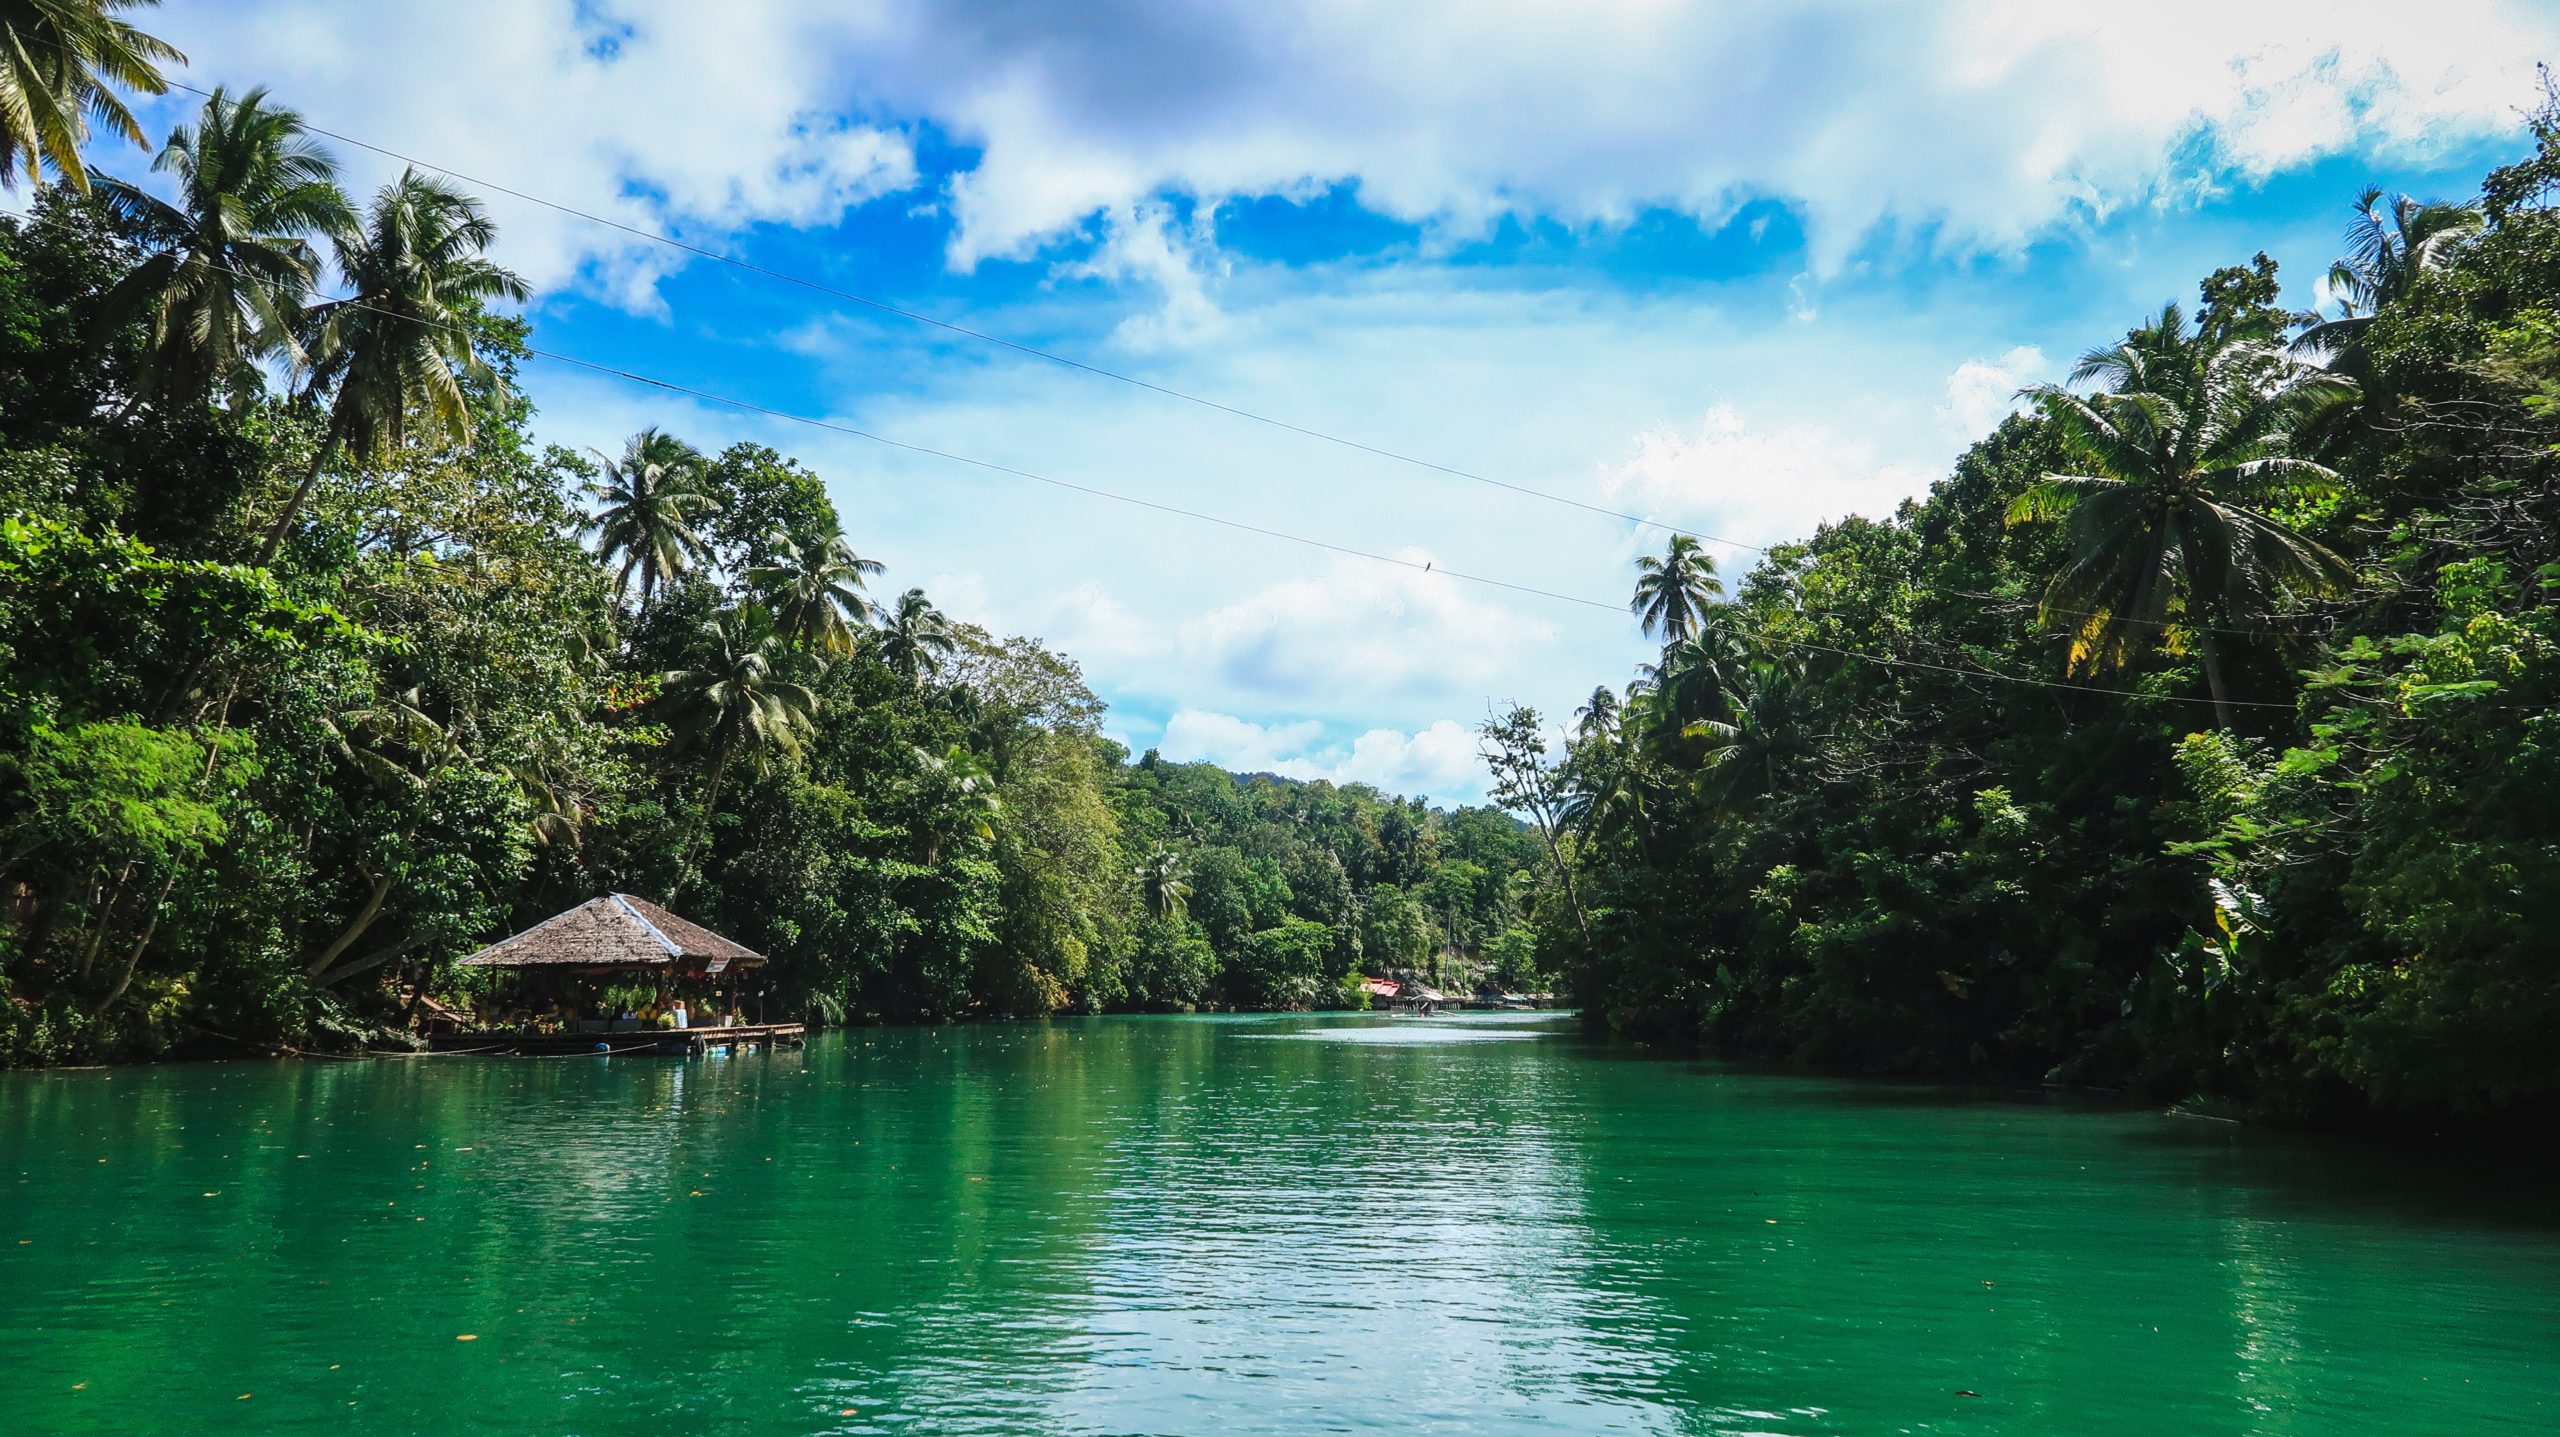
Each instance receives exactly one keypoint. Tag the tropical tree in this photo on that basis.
(960, 798)
(816, 592)
(1597, 719)
(2185, 431)
(1674, 592)
(735, 704)
(1766, 726)
(394, 352)
(233, 263)
(1163, 885)
(2388, 247)
(915, 638)
(650, 504)
(58, 59)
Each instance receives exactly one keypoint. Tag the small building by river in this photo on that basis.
(703, 990)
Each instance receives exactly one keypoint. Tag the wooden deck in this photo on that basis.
(671, 1041)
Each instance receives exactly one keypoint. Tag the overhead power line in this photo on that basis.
(1032, 351)
(1420, 566)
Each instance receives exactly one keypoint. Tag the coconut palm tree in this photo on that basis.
(1598, 717)
(2185, 432)
(2388, 247)
(650, 501)
(395, 352)
(1163, 885)
(1674, 592)
(58, 59)
(1766, 726)
(816, 593)
(735, 704)
(233, 263)
(915, 638)
(960, 798)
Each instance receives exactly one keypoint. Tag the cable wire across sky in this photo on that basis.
(1427, 566)
(882, 306)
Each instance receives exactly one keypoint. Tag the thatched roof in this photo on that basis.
(615, 931)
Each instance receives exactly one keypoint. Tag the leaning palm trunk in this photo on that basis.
(701, 819)
(301, 492)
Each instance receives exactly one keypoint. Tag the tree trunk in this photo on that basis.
(702, 820)
(2211, 653)
(302, 491)
(363, 920)
(1564, 875)
(369, 962)
(133, 959)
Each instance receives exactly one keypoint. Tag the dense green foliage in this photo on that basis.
(2193, 736)
(317, 673)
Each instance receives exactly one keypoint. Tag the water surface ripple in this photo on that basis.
(1231, 1226)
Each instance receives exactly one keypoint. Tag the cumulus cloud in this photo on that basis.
(1972, 126)
(1142, 244)
(701, 120)
(1439, 759)
(1363, 627)
(1982, 392)
(1983, 122)
(1730, 477)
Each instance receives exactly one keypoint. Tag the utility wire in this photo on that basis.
(1421, 566)
(1033, 351)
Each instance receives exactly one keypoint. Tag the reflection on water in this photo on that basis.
(1478, 1223)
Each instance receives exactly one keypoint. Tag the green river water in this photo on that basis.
(1229, 1226)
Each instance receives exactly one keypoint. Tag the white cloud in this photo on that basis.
(1758, 481)
(1438, 760)
(1988, 121)
(1140, 244)
(1982, 392)
(1971, 126)
(700, 120)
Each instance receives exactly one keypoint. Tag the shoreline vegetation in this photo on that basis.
(318, 674)
(2191, 739)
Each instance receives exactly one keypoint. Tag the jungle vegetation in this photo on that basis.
(2194, 737)
(317, 672)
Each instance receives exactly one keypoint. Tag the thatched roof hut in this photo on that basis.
(614, 933)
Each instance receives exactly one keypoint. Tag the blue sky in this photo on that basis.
(1739, 268)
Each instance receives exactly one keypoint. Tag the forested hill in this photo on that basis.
(317, 673)
(2195, 736)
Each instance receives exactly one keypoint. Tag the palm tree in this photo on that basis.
(735, 703)
(651, 499)
(2184, 430)
(2388, 248)
(57, 60)
(962, 798)
(1764, 727)
(1674, 592)
(1163, 885)
(1599, 716)
(915, 638)
(816, 592)
(397, 349)
(234, 262)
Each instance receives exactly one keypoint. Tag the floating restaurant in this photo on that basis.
(694, 982)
